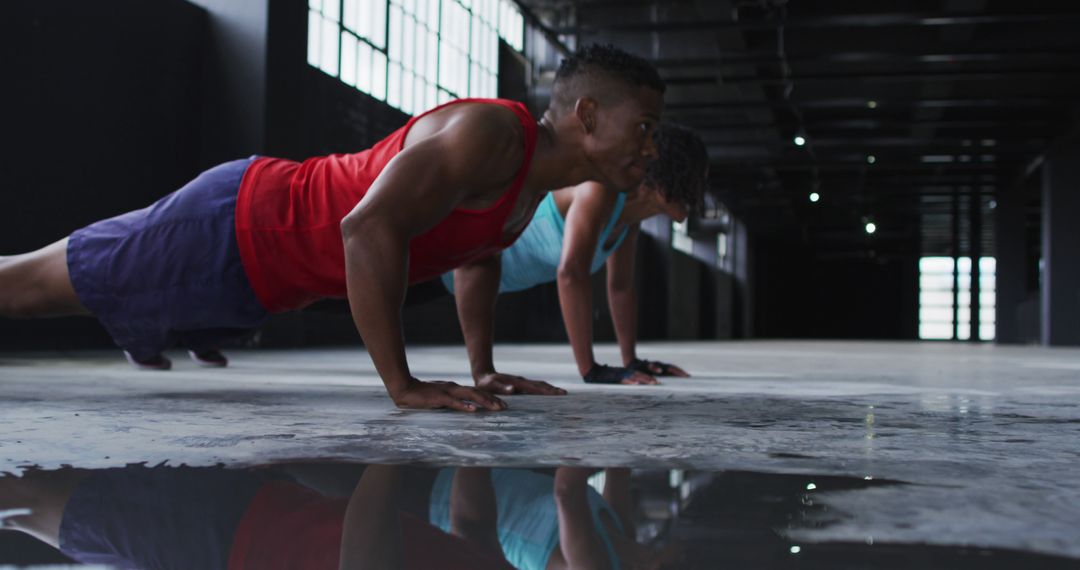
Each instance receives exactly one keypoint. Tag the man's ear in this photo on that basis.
(585, 111)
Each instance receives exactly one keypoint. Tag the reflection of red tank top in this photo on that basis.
(288, 217)
(290, 527)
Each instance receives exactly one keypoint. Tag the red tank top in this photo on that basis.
(288, 217)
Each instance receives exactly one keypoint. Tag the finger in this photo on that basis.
(538, 387)
(639, 378)
(482, 398)
(458, 404)
(676, 371)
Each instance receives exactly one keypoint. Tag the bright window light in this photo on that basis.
(413, 54)
(938, 319)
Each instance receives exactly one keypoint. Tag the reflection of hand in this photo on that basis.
(497, 383)
(657, 368)
(432, 395)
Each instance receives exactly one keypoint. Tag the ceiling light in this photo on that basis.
(814, 196)
(871, 104)
(800, 140)
(871, 227)
(871, 158)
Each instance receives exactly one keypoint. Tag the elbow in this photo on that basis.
(572, 274)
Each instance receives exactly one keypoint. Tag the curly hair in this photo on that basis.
(679, 171)
(607, 60)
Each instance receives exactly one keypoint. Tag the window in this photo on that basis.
(680, 238)
(413, 54)
(937, 294)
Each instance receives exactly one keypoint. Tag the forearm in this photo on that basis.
(623, 305)
(371, 534)
(618, 496)
(578, 538)
(375, 275)
(575, 301)
(477, 287)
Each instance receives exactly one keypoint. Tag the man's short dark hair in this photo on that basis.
(679, 171)
(603, 60)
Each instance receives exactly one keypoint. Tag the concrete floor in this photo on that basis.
(986, 437)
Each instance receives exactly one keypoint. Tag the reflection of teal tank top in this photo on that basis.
(534, 258)
(528, 520)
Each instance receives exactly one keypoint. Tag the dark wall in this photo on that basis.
(234, 92)
(798, 295)
(100, 113)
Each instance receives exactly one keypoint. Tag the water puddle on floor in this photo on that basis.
(328, 515)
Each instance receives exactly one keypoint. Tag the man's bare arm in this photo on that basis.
(477, 287)
(416, 190)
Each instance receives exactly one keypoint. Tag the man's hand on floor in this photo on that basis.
(497, 383)
(433, 395)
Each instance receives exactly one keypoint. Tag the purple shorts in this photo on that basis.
(169, 273)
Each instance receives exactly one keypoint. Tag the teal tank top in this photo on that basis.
(528, 524)
(534, 258)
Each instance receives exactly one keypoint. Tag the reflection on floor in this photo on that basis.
(984, 438)
(324, 515)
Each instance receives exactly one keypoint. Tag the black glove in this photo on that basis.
(603, 374)
(647, 366)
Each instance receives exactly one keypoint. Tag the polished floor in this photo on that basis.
(978, 445)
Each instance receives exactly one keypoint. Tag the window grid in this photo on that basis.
(937, 319)
(413, 54)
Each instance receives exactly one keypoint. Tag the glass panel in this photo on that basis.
(987, 298)
(363, 67)
(419, 89)
(328, 55)
(987, 331)
(362, 21)
(408, 43)
(378, 74)
(378, 23)
(935, 298)
(393, 87)
(315, 4)
(407, 92)
(935, 315)
(332, 10)
(987, 264)
(348, 59)
(396, 27)
(432, 96)
(935, 331)
(936, 264)
(444, 97)
(938, 282)
(313, 45)
(349, 17)
(432, 73)
(474, 81)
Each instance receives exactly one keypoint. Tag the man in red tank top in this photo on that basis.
(448, 190)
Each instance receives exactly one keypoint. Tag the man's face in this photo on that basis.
(620, 143)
